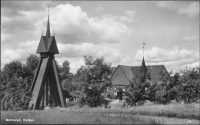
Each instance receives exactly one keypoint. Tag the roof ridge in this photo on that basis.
(155, 65)
(139, 66)
(124, 65)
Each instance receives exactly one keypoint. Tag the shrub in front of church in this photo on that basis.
(139, 90)
(93, 82)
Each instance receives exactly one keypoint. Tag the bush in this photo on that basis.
(139, 90)
(92, 81)
(15, 86)
(189, 89)
(184, 86)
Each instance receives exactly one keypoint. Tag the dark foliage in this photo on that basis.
(189, 85)
(15, 85)
(184, 86)
(161, 92)
(32, 62)
(138, 92)
(92, 81)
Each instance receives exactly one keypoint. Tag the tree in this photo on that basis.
(11, 69)
(93, 79)
(173, 87)
(15, 94)
(32, 62)
(66, 78)
(184, 86)
(16, 82)
(138, 92)
(162, 92)
(78, 86)
(59, 68)
(65, 71)
(189, 89)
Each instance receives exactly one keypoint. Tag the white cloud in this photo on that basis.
(108, 29)
(191, 65)
(72, 25)
(5, 37)
(191, 9)
(190, 38)
(130, 15)
(88, 49)
(175, 57)
(21, 53)
(75, 63)
(76, 52)
(72, 52)
(99, 9)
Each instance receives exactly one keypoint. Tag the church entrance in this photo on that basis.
(120, 93)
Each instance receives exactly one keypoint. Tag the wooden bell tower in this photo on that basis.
(46, 88)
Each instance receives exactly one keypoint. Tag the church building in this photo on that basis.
(122, 75)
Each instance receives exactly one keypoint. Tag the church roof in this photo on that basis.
(131, 71)
(127, 71)
(113, 69)
(154, 71)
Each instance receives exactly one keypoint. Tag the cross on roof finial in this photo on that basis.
(48, 7)
(48, 34)
(143, 48)
(143, 62)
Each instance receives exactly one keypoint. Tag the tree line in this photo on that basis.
(92, 86)
(183, 87)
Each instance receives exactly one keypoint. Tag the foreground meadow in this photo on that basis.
(64, 117)
(149, 114)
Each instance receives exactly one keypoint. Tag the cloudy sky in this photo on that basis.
(115, 30)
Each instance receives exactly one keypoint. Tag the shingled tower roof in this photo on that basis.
(47, 43)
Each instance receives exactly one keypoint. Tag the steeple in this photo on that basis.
(144, 68)
(48, 34)
(47, 43)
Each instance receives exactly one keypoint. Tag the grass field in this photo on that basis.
(63, 117)
(149, 114)
(177, 110)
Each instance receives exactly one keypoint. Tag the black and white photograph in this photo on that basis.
(100, 62)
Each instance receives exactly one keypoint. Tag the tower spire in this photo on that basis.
(143, 62)
(143, 49)
(48, 34)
